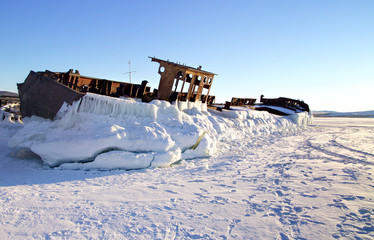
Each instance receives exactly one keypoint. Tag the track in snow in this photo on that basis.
(346, 145)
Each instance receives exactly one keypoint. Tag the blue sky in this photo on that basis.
(319, 51)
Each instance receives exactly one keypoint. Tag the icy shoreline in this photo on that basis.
(100, 132)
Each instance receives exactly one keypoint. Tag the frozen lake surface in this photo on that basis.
(313, 183)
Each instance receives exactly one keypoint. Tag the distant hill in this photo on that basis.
(8, 94)
(363, 114)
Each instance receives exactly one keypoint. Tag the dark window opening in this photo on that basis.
(180, 75)
(189, 78)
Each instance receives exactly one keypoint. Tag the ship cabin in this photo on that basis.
(184, 83)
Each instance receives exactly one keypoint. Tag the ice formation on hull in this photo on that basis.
(103, 105)
(101, 132)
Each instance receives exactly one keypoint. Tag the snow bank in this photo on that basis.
(7, 115)
(99, 132)
(302, 118)
(10, 121)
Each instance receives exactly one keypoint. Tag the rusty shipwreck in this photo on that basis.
(43, 93)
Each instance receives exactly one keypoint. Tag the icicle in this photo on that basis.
(103, 105)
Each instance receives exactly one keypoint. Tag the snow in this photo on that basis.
(7, 117)
(253, 176)
(95, 125)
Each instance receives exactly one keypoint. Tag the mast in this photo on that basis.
(130, 72)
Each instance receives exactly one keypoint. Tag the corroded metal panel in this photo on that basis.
(242, 101)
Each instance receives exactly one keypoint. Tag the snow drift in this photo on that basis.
(99, 132)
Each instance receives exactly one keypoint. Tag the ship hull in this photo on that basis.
(43, 96)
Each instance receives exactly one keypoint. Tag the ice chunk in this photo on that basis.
(114, 160)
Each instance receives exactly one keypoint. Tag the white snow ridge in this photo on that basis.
(100, 132)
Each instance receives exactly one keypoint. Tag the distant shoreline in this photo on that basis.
(363, 114)
(347, 116)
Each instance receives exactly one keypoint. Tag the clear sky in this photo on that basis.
(321, 52)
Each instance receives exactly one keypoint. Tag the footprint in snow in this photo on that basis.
(356, 225)
(197, 181)
(308, 195)
(171, 191)
(224, 185)
(219, 200)
(168, 208)
(338, 204)
(279, 193)
(200, 195)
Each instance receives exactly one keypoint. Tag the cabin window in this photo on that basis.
(198, 79)
(178, 85)
(204, 95)
(180, 75)
(189, 78)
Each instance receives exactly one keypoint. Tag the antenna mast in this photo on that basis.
(129, 72)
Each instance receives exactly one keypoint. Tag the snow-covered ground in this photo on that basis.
(253, 176)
